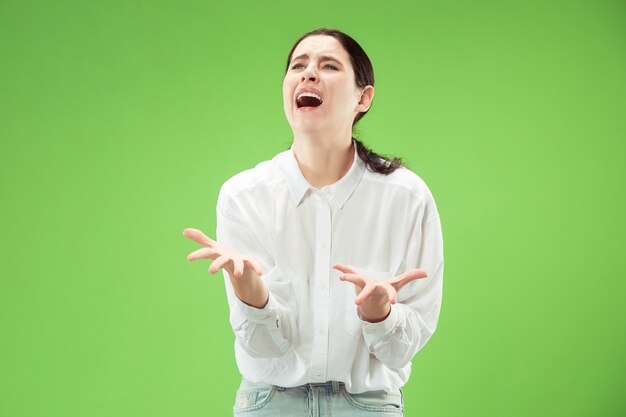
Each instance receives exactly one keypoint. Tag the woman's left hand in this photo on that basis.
(374, 297)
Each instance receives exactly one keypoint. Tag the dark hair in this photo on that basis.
(363, 75)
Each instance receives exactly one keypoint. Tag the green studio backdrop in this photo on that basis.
(120, 120)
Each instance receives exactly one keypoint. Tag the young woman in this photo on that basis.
(333, 254)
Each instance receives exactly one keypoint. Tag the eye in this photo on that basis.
(331, 67)
(296, 66)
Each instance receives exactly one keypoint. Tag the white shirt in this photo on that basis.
(309, 331)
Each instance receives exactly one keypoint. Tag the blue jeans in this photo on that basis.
(314, 400)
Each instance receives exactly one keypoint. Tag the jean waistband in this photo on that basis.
(332, 387)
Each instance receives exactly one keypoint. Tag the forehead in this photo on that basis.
(322, 45)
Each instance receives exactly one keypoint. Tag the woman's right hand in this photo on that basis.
(223, 256)
(244, 271)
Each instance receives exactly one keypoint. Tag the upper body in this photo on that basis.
(333, 255)
(310, 330)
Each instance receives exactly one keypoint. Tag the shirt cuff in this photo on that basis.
(265, 315)
(378, 331)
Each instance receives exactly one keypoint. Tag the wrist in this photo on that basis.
(375, 316)
(250, 289)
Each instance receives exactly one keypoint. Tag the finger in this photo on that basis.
(344, 268)
(367, 291)
(392, 294)
(203, 253)
(414, 273)
(410, 275)
(254, 265)
(353, 278)
(198, 236)
(218, 264)
(238, 262)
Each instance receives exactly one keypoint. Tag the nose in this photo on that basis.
(308, 75)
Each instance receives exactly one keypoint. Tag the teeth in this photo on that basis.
(307, 94)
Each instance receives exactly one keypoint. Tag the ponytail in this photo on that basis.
(375, 162)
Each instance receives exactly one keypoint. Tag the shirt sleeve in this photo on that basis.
(262, 332)
(413, 319)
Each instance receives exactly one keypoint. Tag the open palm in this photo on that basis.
(373, 293)
(223, 256)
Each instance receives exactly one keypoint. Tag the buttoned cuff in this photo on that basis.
(378, 331)
(265, 315)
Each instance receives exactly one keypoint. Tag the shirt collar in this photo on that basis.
(339, 192)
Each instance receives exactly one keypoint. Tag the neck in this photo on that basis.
(323, 160)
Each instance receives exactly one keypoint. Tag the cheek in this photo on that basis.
(286, 92)
(347, 97)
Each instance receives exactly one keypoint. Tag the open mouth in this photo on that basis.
(308, 100)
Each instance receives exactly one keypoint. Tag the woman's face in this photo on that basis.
(320, 68)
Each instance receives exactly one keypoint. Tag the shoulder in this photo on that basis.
(402, 178)
(254, 181)
(405, 185)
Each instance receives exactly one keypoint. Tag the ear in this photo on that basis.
(367, 95)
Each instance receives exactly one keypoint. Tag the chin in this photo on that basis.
(308, 126)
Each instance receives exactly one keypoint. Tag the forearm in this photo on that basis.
(262, 308)
(267, 329)
(395, 340)
(413, 319)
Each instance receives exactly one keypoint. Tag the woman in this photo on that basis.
(326, 249)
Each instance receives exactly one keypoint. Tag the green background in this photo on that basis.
(121, 119)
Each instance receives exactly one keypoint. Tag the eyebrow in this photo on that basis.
(322, 58)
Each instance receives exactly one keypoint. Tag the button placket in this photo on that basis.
(323, 227)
